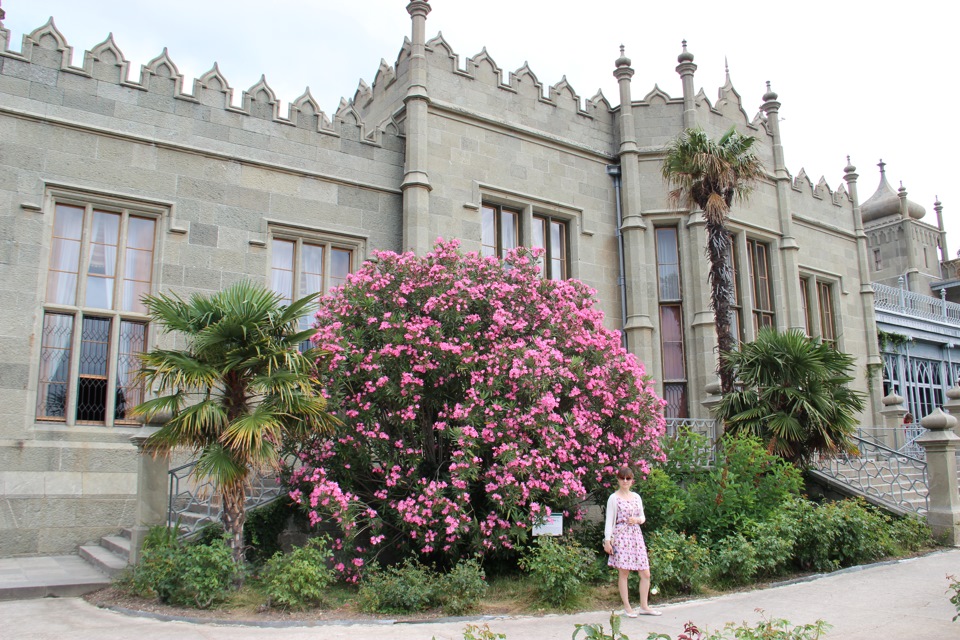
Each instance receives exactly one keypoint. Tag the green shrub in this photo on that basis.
(748, 485)
(261, 531)
(773, 541)
(300, 578)
(193, 575)
(679, 564)
(596, 631)
(462, 587)
(411, 587)
(481, 632)
(403, 588)
(687, 455)
(766, 629)
(733, 561)
(954, 591)
(664, 501)
(559, 567)
(908, 535)
(839, 534)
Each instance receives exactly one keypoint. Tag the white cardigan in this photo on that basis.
(612, 513)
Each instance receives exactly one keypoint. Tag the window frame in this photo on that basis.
(762, 316)
(672, 387)
(314, 237)
(527, 216)
(118, 370)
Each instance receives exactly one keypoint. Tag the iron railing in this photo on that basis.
(195, 503)
(701, 426)
(892, 478)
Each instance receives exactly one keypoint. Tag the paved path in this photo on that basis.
(900, 600)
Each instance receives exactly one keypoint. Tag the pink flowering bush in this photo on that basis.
(476, 398)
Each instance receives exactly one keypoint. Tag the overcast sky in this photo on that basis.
(870, 79)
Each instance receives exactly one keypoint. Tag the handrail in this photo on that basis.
(195, 503)
(893, 478)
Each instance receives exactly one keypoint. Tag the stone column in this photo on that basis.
(789, 248)
(874, 363)
(152, 494)
(940, 444)
(416, 181)
(892, 413)
(639, 276)
(686, 68)
(710, 401)
(944, 255)
(913, 273)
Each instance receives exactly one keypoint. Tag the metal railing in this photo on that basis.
(701, 426)
(902, 439)
(897, 300)
(195, 503)
(881, 474)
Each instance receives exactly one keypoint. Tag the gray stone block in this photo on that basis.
(19, 542)
(203, 279)
(203, 234)
(14, 376)
(365, 199)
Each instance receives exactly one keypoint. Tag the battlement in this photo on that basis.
(46, 50)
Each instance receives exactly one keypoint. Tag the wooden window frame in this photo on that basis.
(117, 315)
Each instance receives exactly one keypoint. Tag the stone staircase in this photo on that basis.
(111, 555)
(893, 482)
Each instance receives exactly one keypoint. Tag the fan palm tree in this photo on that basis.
(711, 174)
(793, 394)
(236, 392)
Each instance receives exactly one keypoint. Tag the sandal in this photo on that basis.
(632, 614)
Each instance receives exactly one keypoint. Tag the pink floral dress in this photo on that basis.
(629, 549)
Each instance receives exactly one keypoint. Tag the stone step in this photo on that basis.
(117, 545)
(103, 559)
(48, 576)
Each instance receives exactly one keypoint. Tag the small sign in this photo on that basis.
(552, 526)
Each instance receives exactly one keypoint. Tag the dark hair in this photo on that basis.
(625, 473)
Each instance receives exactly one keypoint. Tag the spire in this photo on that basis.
(726, 68)
(882, 164)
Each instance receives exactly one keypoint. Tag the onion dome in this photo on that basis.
(623, 60)
(886, 202)
(685, 56)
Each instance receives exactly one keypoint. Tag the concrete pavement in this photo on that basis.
(898, 600)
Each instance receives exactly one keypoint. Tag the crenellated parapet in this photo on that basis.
(47, 48)
(479, 86)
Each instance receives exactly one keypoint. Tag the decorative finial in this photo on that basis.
(882, 164)
(685, 56)
(622, 49)
(623, 60)
(726, 68)
(3, 14)
(849, 168)
(770, 95)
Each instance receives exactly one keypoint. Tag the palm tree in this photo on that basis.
(711, 175)
(793, 394)
(236, 392)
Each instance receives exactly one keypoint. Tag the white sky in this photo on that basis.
(870, 79)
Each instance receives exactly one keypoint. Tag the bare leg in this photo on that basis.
(644, 589)
(623, 583)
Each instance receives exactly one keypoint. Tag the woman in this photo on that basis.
(623, 540)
